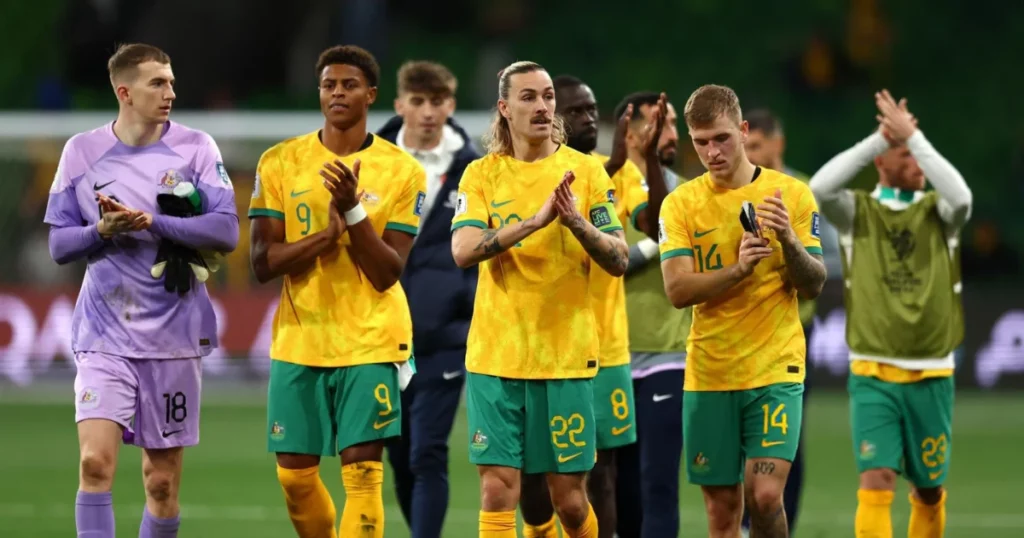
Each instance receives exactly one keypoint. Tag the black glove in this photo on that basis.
(173, 260)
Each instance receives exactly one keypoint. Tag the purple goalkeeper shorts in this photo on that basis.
(155, 400)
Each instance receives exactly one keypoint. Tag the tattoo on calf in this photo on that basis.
(769, 525)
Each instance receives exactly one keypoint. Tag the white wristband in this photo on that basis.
(648, 248)
(355, 215)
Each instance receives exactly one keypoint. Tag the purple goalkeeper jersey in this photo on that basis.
(121, 309)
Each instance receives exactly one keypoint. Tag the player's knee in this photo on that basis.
(160, 486)
(97, 468)
(724, 507)
(929, 496)
(878, 479)
(766, 497)
(297, 484)
(499, 489)
(572, 507)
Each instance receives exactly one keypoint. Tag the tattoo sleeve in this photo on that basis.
(806, 271)
(489, 243)
(606, 249)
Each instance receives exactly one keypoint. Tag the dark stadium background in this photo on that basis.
(245, 73)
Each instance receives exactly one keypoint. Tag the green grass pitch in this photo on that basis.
(230, 488)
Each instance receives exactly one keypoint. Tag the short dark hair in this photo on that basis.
(762, 119)
(426, 77)
(350, 55)
(566, 81)
(637, 99)
(129, 56)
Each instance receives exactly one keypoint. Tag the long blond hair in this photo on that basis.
(498, 139)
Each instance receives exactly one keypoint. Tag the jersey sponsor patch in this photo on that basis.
(816, 225)
(461, 204)
(223, 174)
(662, 236)
(418, 208)
(257, 186)
(600, 216)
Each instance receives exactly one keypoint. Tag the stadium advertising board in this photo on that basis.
(35, 336)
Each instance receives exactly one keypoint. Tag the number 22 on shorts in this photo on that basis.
(774, 419)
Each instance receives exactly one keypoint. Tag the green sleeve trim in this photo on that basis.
(676, 253)
(400, 227)
(611, 228)
(260, 212)
(474, 223)
(814, 250)
(636, 214)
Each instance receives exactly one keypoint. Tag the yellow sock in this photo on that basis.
(363, 515)
(309, 503)
(498, 524)
(587, 530)
(927, 521)
(874, 519)
(547, 530)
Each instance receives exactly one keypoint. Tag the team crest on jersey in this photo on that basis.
(257, 187)
(461, 204)
(418, 208)
(700, 463)
(89, 398)
(815, 225)
(277, 431)
(867, 450)
(370, 199)
(662, 236)
(478, 442)
(170, 179)
(222, 173)
(611, 195)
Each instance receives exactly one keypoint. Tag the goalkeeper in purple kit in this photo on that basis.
(139, 199)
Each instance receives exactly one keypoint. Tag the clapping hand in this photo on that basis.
(775, 217)
(549, 211)
(343, 184)
(565, 205)
(895, 122)
(115, 218)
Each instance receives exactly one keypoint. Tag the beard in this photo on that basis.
(583, 144)
(667, 156)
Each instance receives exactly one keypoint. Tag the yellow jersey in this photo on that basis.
(532, 317)
(608, 292)
(750, 336)
(332, 316)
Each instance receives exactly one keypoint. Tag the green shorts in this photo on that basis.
(539, 426)
(722, 429)
(322, 411)
(613, 407)
(907, 427)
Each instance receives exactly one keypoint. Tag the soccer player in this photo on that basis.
(613, 387)
(137, 345)
(765, 146)
(440, 294)
(746, 352)
(533, 348)
(904, 314)
(648, 471)
(334, 213)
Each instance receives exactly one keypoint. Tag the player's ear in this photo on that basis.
(371, 95)
(503, 108)
(398, 105)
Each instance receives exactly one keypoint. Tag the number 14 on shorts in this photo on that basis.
(774, 420)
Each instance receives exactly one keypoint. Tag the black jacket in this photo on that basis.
(440, 293)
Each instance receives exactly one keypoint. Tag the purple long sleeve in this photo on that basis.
(71, 243)
(216, 231)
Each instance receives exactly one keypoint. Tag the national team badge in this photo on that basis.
(170, 179)
(89, 398)
(277, 431)
(478, 442)
(700, 463)
(867, 450)
(370, 199)
(611, 195)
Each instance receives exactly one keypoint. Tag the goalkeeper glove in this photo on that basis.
(174, 262)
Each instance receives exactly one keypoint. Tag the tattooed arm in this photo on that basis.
(607, 249)
(471, 245)
(806, 271)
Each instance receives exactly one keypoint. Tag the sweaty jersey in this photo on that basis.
(750, 336)
(532, 315)
(902, 289)
(331, 315)
(609, 292)
(121, 309)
